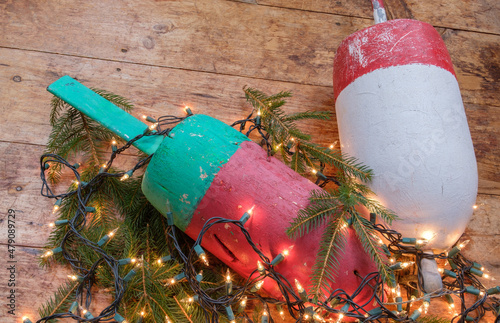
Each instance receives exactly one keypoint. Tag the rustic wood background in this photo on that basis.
(162, 54)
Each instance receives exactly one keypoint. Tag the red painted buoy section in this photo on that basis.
(392, 43)
(278, 193)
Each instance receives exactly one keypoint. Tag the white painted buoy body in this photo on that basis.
(399, 111)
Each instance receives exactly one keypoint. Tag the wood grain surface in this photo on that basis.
(475, 15)
(165, 54)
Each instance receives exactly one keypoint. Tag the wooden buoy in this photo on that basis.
(399, 110)
(207, 169)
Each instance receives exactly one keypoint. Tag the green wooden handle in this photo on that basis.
(106, 113)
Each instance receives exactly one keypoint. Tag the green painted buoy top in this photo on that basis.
(184, 166)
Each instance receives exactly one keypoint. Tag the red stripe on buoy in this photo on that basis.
(392, 43)
(278, 193)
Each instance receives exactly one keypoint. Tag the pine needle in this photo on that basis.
(327, 263)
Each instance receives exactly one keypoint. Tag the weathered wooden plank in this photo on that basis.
(483, 231)
(264, 42)
(353, 8)
(476, 58)
(35, 285)
(476, 15)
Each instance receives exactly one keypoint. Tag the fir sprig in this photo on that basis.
(73, 132)
(332, 208)
(294, 145)
(327, 264)
(60, 301)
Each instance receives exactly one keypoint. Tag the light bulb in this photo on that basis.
(428, 235)
(188, 110)
(281, 256)
(300, 289)
(463, 244)
(112, 233)
(261, 268)
(407, 264)
(257, 286)
(246, 216)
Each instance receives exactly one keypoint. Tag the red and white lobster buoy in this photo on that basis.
(399, 110)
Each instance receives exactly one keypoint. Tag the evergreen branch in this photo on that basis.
(333, 241)
(349, 165)
(56, 105)
(368, 237)
(376, 207)
(117, 100)
(310, 218)
(297, 162)
(183, 311)
(89, 138)
(279, 129)
(320, 115)
(320, 195)
(59, 300)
